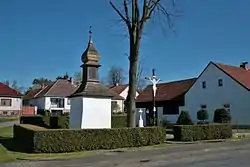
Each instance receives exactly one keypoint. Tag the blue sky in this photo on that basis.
(46, 38)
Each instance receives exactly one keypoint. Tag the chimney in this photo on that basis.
(244, 65)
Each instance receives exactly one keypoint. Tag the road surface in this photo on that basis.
(224, 154)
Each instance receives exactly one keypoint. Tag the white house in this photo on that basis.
(122, 92)
(221, 86)
(53, 97)
(10, 100)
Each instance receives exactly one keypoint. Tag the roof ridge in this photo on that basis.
(41, 89)
(187, 79)
(53, 84)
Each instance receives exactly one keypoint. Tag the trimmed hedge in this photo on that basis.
(62, 122)
(42, 121)
(119, 121)
(202, 132)
(40, 140)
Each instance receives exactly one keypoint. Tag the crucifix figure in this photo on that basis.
(154, 80)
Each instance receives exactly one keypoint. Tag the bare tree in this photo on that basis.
(141, 83)
(135, 17)
(116, 75)
(14, 85)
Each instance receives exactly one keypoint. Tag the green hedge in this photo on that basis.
(42, 140)
(62, 122)
(118, 121)
(42, 121)
(202, 132)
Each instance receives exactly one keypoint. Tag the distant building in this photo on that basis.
(10, 100)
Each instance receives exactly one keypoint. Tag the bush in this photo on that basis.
(202, 132)
(118, 121)
(62, 122)
(222, 116)
(42, 121)
(54, 141)
(184, 119)
(202, 115)
(59, 122)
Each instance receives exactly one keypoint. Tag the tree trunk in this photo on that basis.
(131, 115)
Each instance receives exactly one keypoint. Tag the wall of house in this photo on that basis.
(16, 104)
(86, 114)
(120, 103)
(39, 102)
(75, 119)
(48, 104)
(215, 97)
(124, 93)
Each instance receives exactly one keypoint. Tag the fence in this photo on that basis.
(28, 110)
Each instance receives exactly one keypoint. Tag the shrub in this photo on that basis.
(222, 116)
(202, 132)
(184, 119)
(42, 121)
(118, 121)
(55, 141)
(202, 115)
(59, 122)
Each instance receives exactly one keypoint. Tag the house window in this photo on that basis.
(6, 102)
(220, 83)
(57, 102)
(203, 106)
(68, 101)
(204, 85)
(114, 106)
(171, 110)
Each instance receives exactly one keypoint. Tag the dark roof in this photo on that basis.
(6, 91)
(31, 94)
(119, 89)
(166, 91)
(239, 74)
(93, 89)
(60, 88)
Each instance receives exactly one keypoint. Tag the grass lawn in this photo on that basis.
(8, 119)
(7, 154)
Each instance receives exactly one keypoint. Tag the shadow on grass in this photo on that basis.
(10, 144)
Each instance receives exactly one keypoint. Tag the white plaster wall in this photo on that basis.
(96, 113)
(215, 97)
(75, 121)
(16, 104)
(124, 93)
(39, 102)
(120, 103)
(169, 118)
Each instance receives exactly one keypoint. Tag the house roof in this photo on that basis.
(6, 91)
(31, 94)
(239, 74)
(166, 91)
(119, 89)
(59, 88)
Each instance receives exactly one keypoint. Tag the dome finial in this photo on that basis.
(90, 34)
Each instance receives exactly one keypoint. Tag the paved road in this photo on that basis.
(5, 124)
(229, 154)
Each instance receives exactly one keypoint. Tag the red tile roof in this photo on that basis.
(31, 94)
(166, 91)
(6, 91)
(118, 89)
(239, 74)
